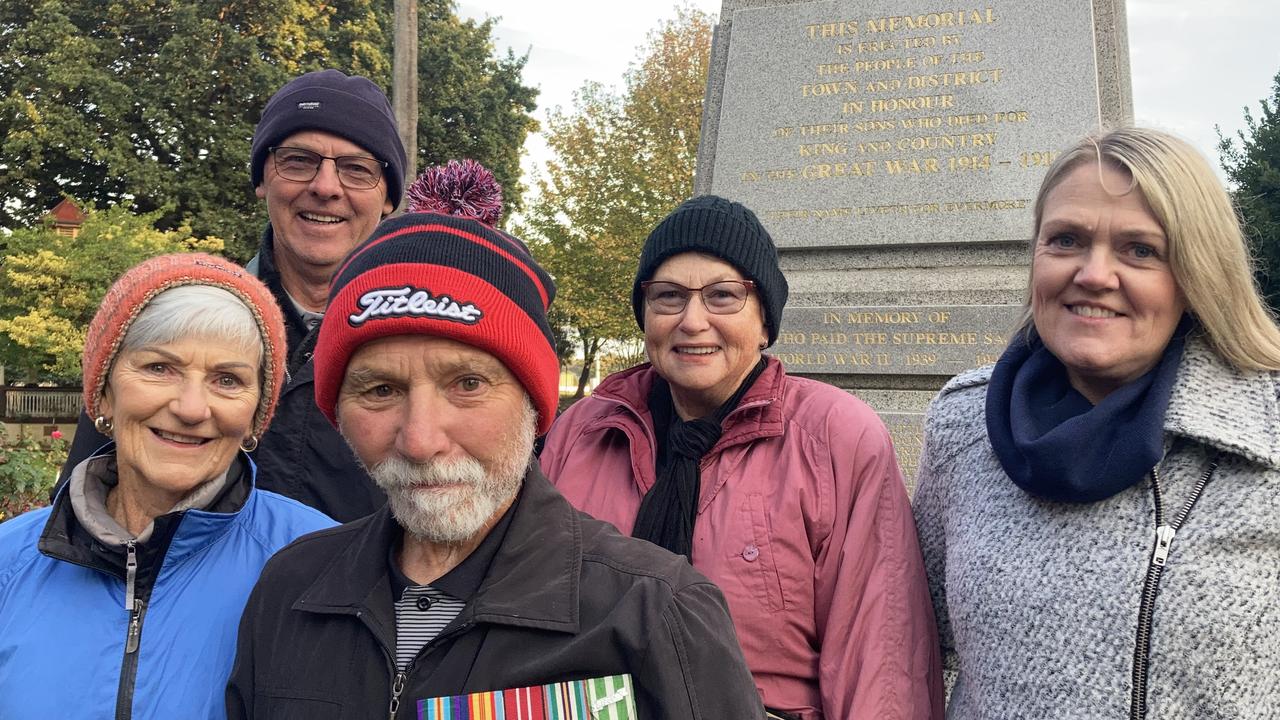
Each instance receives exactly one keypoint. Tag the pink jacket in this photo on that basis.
(803, 522)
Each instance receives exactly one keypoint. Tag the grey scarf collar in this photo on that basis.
(92, 480)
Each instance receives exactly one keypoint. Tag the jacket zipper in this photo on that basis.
(400, 678)
(1151, 586)
(397, 687)
(133, 634)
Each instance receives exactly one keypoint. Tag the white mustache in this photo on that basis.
(396, 472)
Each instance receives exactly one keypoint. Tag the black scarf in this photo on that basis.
(1055, 444)
(670, 508)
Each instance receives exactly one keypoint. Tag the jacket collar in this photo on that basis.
(263, 265)
(760, 414)
(1215, 404)
(533, 580)
(177, 535)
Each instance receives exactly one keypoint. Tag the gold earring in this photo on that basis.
(103, 425)
(249, 444)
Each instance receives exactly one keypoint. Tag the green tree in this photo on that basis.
(472, 104)
(52, 284)
(622, 162)
(1254, 167)
(152, 103)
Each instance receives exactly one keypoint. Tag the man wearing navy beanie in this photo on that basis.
(327, 159)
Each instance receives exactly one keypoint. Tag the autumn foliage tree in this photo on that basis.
(152, 104)
(622, 161)
(1254, 166)
(51, 284)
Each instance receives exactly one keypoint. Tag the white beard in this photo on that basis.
(456, 514)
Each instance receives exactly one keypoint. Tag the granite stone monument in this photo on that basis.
(893, 148)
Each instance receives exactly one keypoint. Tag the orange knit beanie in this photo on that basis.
(140, 284)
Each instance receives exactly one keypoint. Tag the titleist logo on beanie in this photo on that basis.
(407, 277)
(410, 301)
(449, 277)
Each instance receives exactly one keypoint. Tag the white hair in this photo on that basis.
(201, 311)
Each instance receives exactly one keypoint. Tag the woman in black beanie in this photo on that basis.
(784, 491)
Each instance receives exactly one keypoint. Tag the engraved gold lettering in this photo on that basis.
(1018, 116)
(831, 30)
(812, 149)
(919, 102)
(934, 338)
(930, 21)
(974, 119)
(882, 317)
(905, 63)
(825, 129)
(875, 46)
(926, 41)
(791, 338)
(946, 142)
(912, 166)
(921, 122)
(873, 125)
(955, 79)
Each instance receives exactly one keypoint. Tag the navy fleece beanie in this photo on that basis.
(349, 106)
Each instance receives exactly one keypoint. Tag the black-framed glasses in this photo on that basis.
(355, 172)
(719, 298)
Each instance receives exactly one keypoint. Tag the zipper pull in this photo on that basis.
(135, 629)
(1164, 539)
(130, 574)
(397, 687)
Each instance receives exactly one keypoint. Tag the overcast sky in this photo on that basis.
(1195, 63)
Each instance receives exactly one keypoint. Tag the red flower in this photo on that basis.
(56, 434)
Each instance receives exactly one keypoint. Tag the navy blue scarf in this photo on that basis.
(1055, 444)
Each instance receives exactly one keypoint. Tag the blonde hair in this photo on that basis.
(1207, 251)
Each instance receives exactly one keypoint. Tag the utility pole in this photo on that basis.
(404, 83)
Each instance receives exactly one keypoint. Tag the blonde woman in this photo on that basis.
(1098, 510)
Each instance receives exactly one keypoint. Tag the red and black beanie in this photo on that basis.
(429, 273)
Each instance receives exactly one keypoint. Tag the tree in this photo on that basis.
(152, 103)
(52, 284)
(471, 103)
(622, 162)
(1254, 168)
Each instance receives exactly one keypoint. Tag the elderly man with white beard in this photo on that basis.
(436, 363)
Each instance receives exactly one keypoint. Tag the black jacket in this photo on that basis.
(301, 455)
(566, 597)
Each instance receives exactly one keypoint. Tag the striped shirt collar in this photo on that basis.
(464, 580)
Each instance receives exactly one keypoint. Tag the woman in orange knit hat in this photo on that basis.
(122, 599)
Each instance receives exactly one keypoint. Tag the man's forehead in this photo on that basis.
(323, 142)
(407, 353)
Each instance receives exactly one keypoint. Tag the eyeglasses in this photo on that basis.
(355, 172)
(720, 298)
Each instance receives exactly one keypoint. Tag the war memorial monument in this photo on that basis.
(893, 148)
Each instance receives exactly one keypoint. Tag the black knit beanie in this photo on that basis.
(728, 230)
(349, 106)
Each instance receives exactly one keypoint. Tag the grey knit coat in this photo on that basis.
(1037, 602)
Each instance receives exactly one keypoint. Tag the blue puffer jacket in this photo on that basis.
(68, 646)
